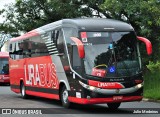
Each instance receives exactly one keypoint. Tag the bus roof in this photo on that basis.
(98, 24)
(86, 24)
(4, 54)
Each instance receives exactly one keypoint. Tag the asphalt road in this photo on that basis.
(9, 99)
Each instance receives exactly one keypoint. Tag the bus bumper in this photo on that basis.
(112, 91)
(105, 100)
(5, 81)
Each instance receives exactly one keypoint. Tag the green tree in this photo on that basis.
(3, 38)
(26, 15)
(143, 15)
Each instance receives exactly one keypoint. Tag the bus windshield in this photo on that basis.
(4, 66)
(110, 54)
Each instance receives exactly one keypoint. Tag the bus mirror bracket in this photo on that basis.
(80, 47)
(147, 43)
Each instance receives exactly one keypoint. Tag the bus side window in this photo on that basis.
(10, 47)
(60, 42)
(11, 51)
(15, 50)
(54, 36)
(19, 50)
(76, 61)
(38, 47)
(27, 49)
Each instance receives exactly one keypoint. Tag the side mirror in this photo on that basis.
(148, 44)
(80, 47)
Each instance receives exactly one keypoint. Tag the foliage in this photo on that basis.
(143, 15)
(151, 85)
(152, 80)
(4, 37)
(26, 15)
(153, 67)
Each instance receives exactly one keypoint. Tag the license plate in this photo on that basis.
(117, 97)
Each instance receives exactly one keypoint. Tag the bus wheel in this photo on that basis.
(64, 97)
(23, 91)
(113, 105)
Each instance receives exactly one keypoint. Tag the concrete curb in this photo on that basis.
(150, 100)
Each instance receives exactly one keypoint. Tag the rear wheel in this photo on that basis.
(113, 105)
(23, 91)
(64, 97)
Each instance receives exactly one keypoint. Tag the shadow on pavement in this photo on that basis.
(77, 108)
(4, 84)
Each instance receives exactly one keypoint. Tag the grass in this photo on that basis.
(152, 85)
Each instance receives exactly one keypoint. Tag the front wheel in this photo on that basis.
(23, 91)
(64, 97)
(113, 105)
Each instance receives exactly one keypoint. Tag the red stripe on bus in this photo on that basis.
(45, 95)
(106, 85)
(26, 36)
(15, 90)
(103, 100)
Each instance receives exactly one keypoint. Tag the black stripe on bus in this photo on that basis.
(45, 90)
(38, 89)
(15, 86)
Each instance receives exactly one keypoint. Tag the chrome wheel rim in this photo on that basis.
(65, 96)
(23, 90)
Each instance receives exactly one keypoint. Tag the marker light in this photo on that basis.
(138, 81)
(110, 46)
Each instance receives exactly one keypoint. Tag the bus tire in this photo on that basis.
(113, 105)
(64, 97)
(23, 91)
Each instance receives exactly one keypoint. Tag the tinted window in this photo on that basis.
(116, 56)
(76, 58)
(57, 38)
(60, 42)
(33, 47)
(4, 66)
(37, 47)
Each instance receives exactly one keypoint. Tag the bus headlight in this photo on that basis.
(87, 86)
(139, 85)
